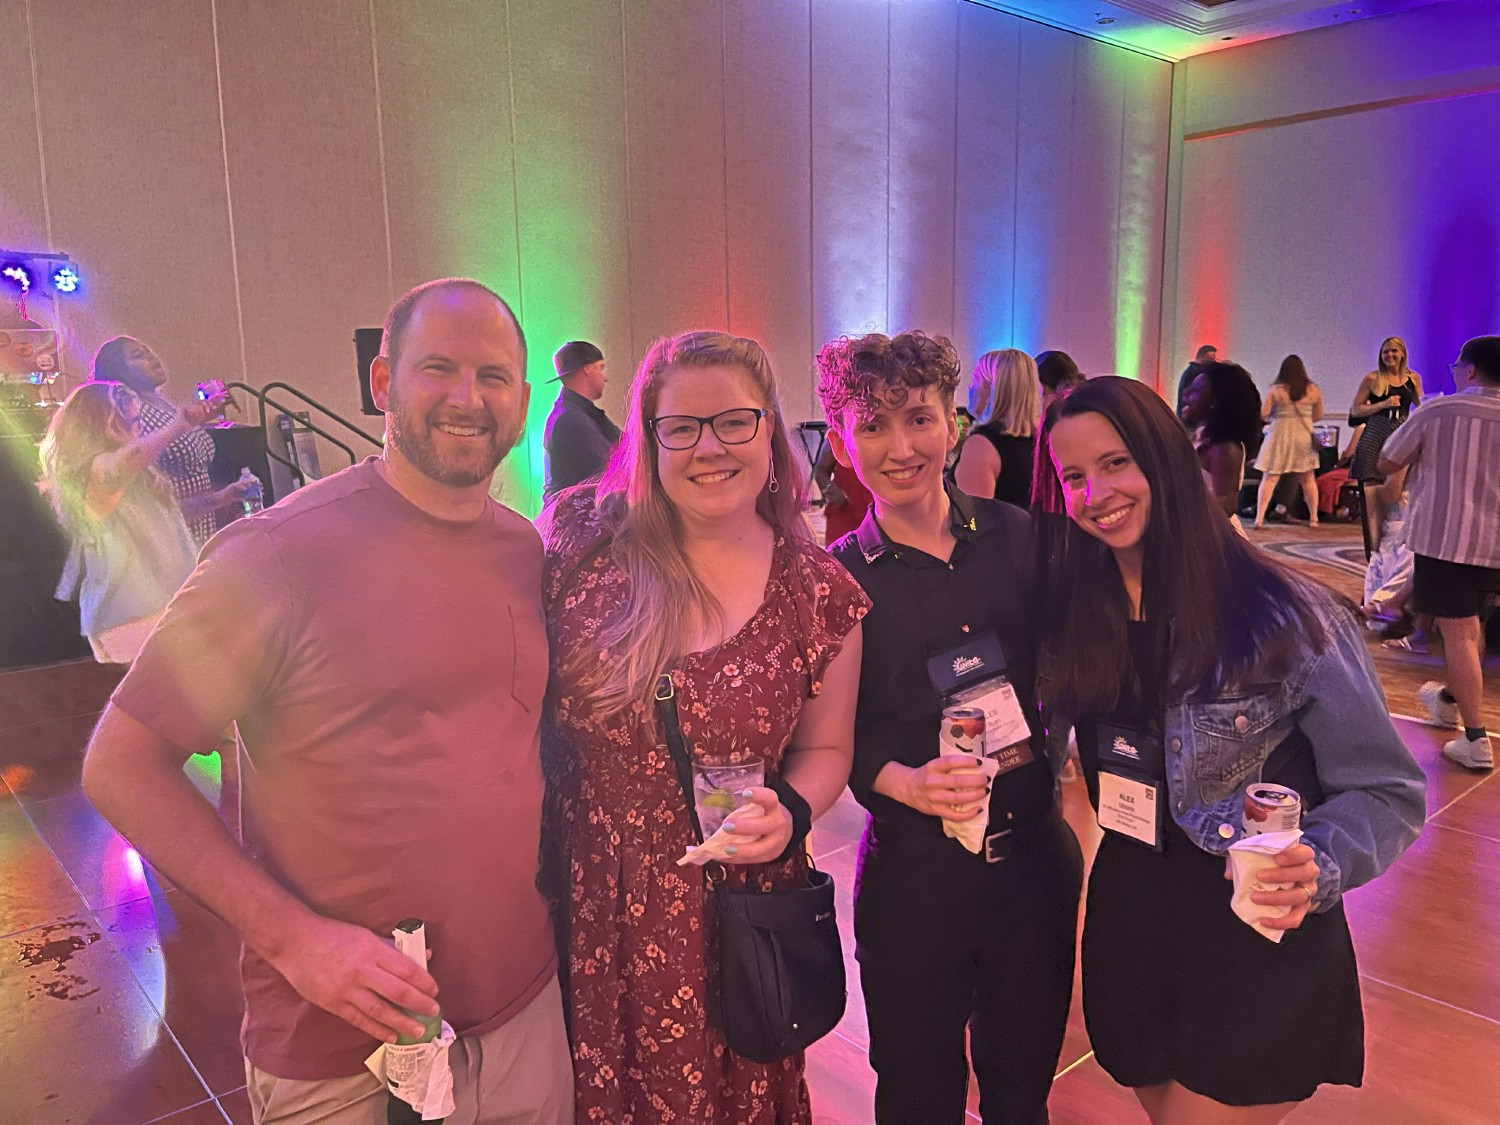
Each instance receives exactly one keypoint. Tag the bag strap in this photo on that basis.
(666, 715)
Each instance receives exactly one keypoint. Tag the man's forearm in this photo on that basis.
(167, 820)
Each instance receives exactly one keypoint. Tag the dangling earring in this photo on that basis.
(775, 485)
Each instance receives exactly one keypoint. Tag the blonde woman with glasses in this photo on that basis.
(131, 546)
(690, 561)
(1005, 399)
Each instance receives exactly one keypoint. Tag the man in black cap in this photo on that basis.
(579, 435)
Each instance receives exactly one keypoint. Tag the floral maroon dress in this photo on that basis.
(635, 928)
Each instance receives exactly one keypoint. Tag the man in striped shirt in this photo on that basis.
(1454, 531)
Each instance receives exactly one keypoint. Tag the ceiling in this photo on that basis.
(1180, 29)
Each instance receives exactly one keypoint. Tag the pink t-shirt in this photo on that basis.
(386, 670)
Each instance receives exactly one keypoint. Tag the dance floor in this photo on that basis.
(123, 1004)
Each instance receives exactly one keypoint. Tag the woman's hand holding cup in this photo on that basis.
(951, 787)
(760, 828)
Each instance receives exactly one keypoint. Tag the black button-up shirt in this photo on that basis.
(577, 441)
(924, 606)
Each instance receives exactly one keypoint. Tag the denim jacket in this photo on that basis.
(1374, 792)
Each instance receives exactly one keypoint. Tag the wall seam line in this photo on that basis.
(515, 166)
(41, 148)
(958, 62)
(234, 246)
(629, 224)
(385, 191)
(724, 125)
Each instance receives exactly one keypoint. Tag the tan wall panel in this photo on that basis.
(1141, 230)
(850, 167)
(923, 108)
(1044, 153)
(449, 156)
(23, 224)
(299, 107)
(984, 226)
(768, 193)
(568, 78)
(136, 179)
(674, 70)
(1092, 204)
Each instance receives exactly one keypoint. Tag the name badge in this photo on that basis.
(1131, 768)
(1130, 807)
(973, 675)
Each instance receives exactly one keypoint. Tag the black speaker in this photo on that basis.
(366, 348)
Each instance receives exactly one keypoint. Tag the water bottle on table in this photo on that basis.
(254, 495)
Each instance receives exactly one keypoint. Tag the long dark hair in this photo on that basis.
(1293, 375)
(1218, 606)
(1233, 412)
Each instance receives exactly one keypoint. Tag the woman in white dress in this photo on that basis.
(1293, 406)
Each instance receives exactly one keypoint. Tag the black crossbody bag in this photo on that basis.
(781, 983)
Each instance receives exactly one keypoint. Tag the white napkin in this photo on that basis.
(970, 833)
(713, 847)
(1248, 856)
(418, 1074)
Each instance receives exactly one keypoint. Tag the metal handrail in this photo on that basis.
(335, 415)
(263, 399)
(260, 402)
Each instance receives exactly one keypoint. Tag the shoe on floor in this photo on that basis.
(1475, 755)
(1444, 714)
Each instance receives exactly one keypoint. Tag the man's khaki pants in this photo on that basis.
(518, 1074)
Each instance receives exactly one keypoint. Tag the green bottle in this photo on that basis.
(411, 939)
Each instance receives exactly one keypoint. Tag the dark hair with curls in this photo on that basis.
(1232, 410)
(1294, 375)
(1217, 605)
(862, 374)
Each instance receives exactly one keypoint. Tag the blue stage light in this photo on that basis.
(65, 280)
(19, 275)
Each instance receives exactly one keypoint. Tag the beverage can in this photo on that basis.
(962, 731)
(1271, 808)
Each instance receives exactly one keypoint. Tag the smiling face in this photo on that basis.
(715, 481)
(1392, 356)
(1104, 490)
(899, 452)
(456, 398)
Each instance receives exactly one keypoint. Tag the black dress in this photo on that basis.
(1176, 987)
(1378, 429)
(1013, 485)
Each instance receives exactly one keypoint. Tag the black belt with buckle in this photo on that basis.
(1000, 846)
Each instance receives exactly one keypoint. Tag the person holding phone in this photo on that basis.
(185, 459)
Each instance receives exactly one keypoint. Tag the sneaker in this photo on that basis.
(1444, 714)
(1475, 755)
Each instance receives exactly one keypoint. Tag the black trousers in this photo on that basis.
(947, 943)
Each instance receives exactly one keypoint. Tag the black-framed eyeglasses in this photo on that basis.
(1454, 366)
(684, 431)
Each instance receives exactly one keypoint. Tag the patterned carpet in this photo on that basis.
(1341, 556)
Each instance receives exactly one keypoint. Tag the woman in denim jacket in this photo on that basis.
(1193, 665)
